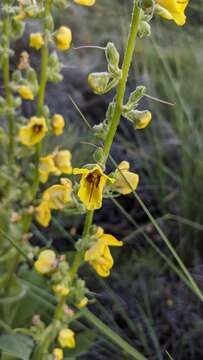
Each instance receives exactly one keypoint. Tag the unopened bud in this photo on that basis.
(99, 82)
(144, 29)
(113, 57)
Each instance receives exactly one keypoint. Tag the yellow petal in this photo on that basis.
(58, 196)
(85, 2)
(110, 240)
(43, 214)
(46, 166)
(125, 181)
(25, 92)
(173, 10)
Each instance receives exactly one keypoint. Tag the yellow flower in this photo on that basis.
(46, 166)
(46, 262)
(58, 196)
(62, 161)
(83, 302)
(25, 92)
(58, 124)
(34, 132)
(125, 180)
(91, 186)
(61, 290)
(58, 354)
(85, 2)
(36, 41)
(173, 10)
(99, 255)
(63, 38)
(43, 214)
(66, 338)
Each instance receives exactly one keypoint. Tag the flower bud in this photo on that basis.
(147, 4)
(144, 29)
(83, 302)
(63, 38)
(61, 290)
(58, 124)
(58, 354)
(113, 57)
(135, 96)
(141, 119)
(66, 338)
(99, 82)
(25, 92)
(36, 41)
(99, 156)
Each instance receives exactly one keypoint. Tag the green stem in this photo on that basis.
(79, 255)
(6, 83)
(41, 95)
(117, 114)
(122, 83)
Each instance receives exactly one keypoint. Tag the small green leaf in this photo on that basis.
(16, 345)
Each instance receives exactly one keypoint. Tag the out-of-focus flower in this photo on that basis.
(61, 290)
(24, 61)
(46, 262)
(85, 2)
(66, 338)
(58, 124)
(63, 38)
(58, 354)
(125, 180)
(25, 92)
(62, 161)
(99, 255)
(34, 131)
(46, 166)
(83, 302)
(36, 41)
(91, 186)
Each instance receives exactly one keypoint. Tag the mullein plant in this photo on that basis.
(26, 165)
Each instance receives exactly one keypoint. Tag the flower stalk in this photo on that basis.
(135, 21)
(41, 94)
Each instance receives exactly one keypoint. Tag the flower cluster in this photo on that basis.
(50, 180)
